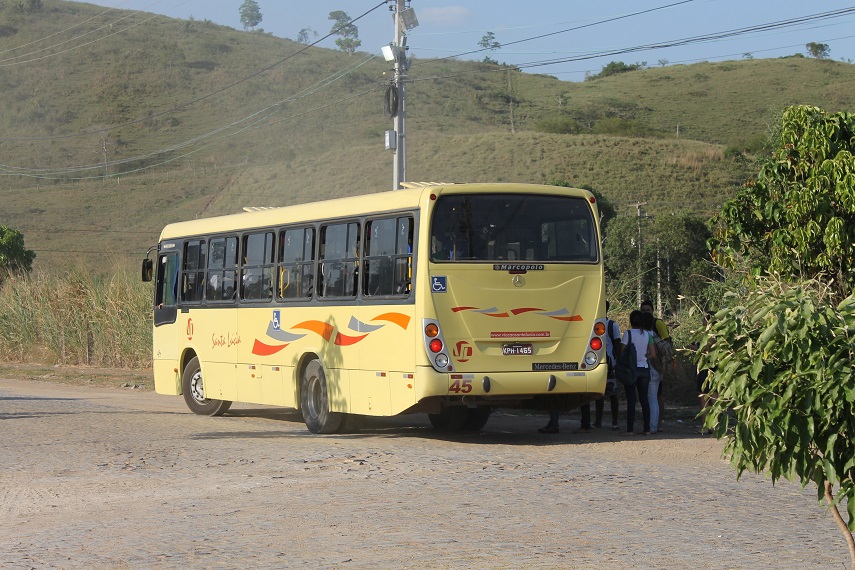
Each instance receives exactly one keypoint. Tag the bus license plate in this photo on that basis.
(516, 349)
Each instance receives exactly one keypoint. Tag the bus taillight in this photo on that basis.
(596, 343)
(435, 346)
(599, 329)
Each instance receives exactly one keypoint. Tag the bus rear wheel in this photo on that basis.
(450, 419)
(315, 401)
(193, 388)
(477, 418)
(460, 418)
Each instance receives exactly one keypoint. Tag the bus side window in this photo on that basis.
(388, 257)
(193, 271)
(222, 269)
(339, 260)
(257, 267)
(296, 263)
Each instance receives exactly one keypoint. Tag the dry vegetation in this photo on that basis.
(76, 319)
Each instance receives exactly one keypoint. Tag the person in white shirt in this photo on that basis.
(644, 349)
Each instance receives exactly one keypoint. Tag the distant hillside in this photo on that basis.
(211, 119)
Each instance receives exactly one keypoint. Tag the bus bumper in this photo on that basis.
(508, 385)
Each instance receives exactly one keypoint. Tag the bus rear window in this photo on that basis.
(509, 227)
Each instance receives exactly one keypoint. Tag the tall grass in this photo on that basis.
(76, 318)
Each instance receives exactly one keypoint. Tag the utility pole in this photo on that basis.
(638, 206)
(396, 139)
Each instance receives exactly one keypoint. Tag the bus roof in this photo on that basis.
(393, 200)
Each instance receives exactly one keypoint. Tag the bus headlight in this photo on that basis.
(441, 360)
(591, 358)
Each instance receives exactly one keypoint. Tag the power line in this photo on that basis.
(108, 26)
(271, 109)
(53, 175)
(98, 252)
(645, 47)
(77, 25)
(575, 28)
(88, 230)
(46, 173)
(201, 98)
(698, 39)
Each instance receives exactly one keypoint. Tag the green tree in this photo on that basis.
(349, 41)
(304, 35)
(798, 217)
(488, 42)
(674, 258)
(614, 68)
(819, 51)
(15, 259)
(250, 14)
(782, 358)
(782, 349)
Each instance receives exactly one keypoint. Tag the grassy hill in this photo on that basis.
(189, 119)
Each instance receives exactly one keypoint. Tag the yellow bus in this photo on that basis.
(445, 299)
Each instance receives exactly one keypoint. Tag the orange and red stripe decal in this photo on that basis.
(399, 319)
(262, 349)
(323, 329)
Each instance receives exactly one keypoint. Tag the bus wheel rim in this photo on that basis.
(197, 388)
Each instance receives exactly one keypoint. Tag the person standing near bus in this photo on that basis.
(644, 350)
(661, 329)
(655, 376)
(613, 346)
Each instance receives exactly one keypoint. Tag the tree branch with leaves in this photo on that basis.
(781, 350)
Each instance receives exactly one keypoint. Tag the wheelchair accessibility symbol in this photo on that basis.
(439, 284)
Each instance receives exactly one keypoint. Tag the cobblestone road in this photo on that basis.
(109, 478)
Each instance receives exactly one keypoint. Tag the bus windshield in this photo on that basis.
(507, 227)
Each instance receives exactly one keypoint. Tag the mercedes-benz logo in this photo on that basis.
(518, 281)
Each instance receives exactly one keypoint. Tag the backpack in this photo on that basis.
(626, 368)
(664, 354)
(614, 340)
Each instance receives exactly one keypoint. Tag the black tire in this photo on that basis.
(193, 388)
(477, 418)
(315, 401)
(450, 419)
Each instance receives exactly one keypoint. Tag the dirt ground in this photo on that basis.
(98, 471)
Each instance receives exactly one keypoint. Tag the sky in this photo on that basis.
(582, 36)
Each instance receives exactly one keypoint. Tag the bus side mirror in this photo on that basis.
(146, 270)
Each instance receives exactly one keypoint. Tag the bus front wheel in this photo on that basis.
(315, 401)
(193, 388)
